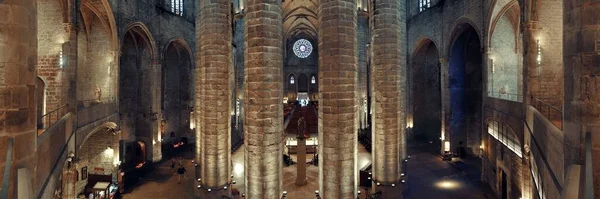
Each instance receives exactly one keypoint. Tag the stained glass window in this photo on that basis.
(302, 48)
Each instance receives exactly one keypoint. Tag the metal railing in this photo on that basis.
(52, 117)
(553, 114)
(506, 96)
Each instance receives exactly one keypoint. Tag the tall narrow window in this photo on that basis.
(424, 4)
(177, 7)
(292, 80)
(313, 80)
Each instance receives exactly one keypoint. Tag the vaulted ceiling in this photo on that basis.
(300, 18)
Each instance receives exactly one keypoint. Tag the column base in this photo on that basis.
(204, 193)
(389, 192)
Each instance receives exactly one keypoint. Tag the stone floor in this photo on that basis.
(162, 183)
(427, 177)
(430, 177)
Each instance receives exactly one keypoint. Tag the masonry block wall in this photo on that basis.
(96, 82)
(51, 37)
(425, 93)
(96, 154)
(505, 76)
(18, 58)
(549, 72)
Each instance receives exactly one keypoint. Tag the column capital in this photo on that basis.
(68, 27)
(530, 25)
(444, 60)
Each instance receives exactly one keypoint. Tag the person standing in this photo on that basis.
(180, 173)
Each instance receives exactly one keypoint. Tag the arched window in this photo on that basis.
(177, 7)
(313, 80)
(424, 4)
(291, 79)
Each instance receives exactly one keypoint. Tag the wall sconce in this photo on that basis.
(493, 66)
(539, 53)
(447, 146)
(61, 62)
(110, 68)
(365, 104)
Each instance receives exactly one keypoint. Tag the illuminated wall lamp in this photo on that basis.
(447, 146)
(61, 62)
(493, 66)
(539, 53)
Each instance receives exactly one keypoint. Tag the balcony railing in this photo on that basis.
(51, 117)
(553, 114)
(506, 96)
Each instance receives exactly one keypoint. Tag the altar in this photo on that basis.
(311, 145)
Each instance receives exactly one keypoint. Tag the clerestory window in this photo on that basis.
(424, 4)
(177, 7)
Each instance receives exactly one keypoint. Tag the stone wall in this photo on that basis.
(96, 154)
(52, 152)
(51, 37)
(505, 77)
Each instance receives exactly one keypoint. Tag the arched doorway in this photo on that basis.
(465, 88)
(176, 89)
(425, 94)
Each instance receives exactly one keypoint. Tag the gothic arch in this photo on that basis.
(458, 28)
(143, 31)
(512, 10)
(106, 126)
(181, 44)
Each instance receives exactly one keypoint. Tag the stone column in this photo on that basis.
(213, 119)
(531, 69)
(445, 92)
(263, 92)
(338, 81)
(18, 58)
(156, 121)
(389, 84)
(301, 162)
(581, 51)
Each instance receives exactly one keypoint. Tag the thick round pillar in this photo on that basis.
(18, 57)
(389, 91)
(263, 92)
(214, 98)
(338, 82)
(581, 51)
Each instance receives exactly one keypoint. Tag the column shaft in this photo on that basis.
(18, 57)
(581, 51)
(214, 119)
(445, 93)
(389, 91)
(338, 81)
(263, 92)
